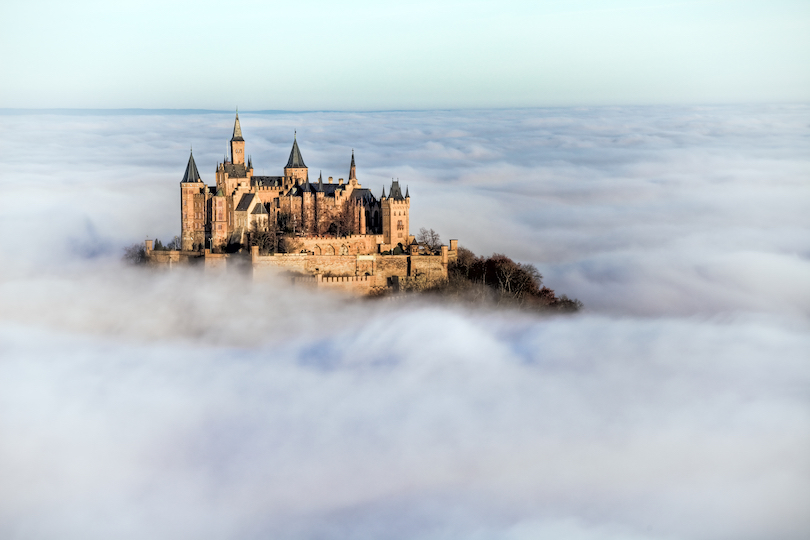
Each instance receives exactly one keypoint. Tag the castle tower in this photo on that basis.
(219, 219)
(352, 170)
(237, 144)
(395, 215)
(296, 169)
(192, 211)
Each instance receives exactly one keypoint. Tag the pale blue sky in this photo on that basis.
(364, 55)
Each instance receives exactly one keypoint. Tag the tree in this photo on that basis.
(429, 238)
(135, 254)
(342, 222)
(287, 223)
(263, 236)
(175, 244)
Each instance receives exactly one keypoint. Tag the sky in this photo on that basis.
(363, 55)
(178, 404)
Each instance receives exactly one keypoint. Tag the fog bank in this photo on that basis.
(149, 404)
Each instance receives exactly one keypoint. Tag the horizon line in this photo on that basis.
(153, 111)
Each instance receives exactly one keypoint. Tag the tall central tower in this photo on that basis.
(237, 144)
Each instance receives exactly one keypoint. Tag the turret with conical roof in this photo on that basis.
(237, 143)
(296, 169)
(191, 202)
(192, 174)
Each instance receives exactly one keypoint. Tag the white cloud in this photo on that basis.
(139, 404)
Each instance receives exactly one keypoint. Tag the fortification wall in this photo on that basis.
(356, 285)
(168, 259)
(356, 244)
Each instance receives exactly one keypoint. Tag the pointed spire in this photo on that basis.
(192, 174)
(383, 195)
(320, 177)
(237, 129)
(407, 195)
(352, 171)
(296, 161)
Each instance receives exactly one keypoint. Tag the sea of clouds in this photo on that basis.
(139, 405)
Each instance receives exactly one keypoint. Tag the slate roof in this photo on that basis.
(237, 130)
(267, 181)
(244, 203)
(363, 194)
(192, 174)
(236, 171)
(296, 161)
(396, 192)
(260, 209)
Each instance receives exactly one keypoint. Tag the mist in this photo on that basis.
(141, 404)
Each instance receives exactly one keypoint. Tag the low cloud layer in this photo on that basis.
(167, 405)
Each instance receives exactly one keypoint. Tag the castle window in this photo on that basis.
(400, 226)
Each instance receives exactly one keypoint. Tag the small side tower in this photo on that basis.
(237, 144)
(219, 219)
(192, 216)
(296, 170)
(395, 215)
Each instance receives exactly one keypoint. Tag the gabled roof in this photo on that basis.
(192, 174)
(260, 209)
(244, 202)
(396, 192)
(296, 161)
(237, 130)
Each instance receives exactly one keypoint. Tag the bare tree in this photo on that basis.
(429, 238)
(263, 235)
(175, 244)
(343, 221)
(135, 254)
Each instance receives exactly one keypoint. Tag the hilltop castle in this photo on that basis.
(339, 234)
(218, 216)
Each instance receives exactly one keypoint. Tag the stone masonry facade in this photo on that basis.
(346, 238)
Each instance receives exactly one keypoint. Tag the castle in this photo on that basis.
(340, 232)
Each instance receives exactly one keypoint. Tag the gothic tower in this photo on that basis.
(296, 170)
(192, 211)
(395, 210)
(352, 171)
(237, 144)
